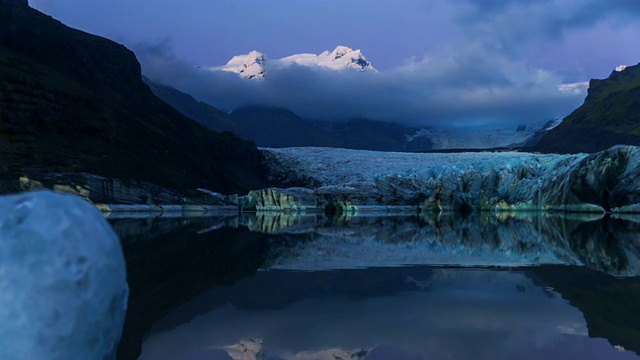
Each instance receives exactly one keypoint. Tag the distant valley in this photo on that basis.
(278, 127)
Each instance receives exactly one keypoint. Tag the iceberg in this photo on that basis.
(63, 289)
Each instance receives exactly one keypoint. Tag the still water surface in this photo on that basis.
(507, 286)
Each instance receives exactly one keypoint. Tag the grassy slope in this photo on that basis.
(609, 116)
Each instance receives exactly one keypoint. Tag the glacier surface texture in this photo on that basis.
(359, 181)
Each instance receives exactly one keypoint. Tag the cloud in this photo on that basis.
(517, 21)
(471, 86)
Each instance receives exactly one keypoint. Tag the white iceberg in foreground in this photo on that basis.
(63, 290)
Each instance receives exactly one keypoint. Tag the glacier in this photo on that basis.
(360, 181)
(63, 289)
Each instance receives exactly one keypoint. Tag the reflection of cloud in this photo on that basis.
(473, 86)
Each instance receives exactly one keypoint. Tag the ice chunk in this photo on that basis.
(63, 290)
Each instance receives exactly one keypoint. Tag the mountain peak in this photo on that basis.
(346, 57)
(249, 66)
(341, 51)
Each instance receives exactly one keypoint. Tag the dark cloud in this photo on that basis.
(468, 86)
(515, 21)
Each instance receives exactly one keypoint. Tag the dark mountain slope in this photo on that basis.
(365, 134)
(202, 112)
(609, 116)
(277, 127)
(266, 126)
(75, 102)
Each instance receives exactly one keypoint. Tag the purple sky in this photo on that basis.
(564, 40)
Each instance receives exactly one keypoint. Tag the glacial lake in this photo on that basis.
(402, 286)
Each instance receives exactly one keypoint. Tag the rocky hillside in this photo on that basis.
(73, 102)
(277, 127)
(609, 116)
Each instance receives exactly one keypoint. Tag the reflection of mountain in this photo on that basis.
(170, 261)
(610, 306)
(403, 313)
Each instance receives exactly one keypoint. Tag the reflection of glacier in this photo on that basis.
(314, 241)
(506, 239)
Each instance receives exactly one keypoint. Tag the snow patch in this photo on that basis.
(553, 124)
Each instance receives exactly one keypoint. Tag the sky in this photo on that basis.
(441, 62)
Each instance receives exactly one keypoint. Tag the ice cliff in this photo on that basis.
(63, 290)
(356, 181)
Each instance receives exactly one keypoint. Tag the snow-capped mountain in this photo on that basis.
(253, 65)
(340, 58)
(249, 66)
